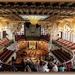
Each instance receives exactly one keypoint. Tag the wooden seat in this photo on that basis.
(60, 58)
(3, 52)
(4, 55)
(61, 55)
(7, 56)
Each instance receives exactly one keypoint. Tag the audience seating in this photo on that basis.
(45, 37)
(3, 42)
(64, 53)
(5, 55)
(66, 43)
(61, 55)
(60, 58)
(4, 50)
(9, 43)
(19, 37)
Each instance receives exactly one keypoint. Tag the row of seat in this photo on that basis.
(46, 37)
(9, 54)
(60, 58)
(4, 41)
(66, 54)
(61, 55)
(9, 43)
(5, 55)
(66, 43)
(4, 50)
(19, 37)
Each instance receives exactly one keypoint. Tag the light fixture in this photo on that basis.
(34, 18)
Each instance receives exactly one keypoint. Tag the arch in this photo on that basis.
(61, 24)
(67, 29)
(69, 23)
(73, 25)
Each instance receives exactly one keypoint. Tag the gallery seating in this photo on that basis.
(64, 53)
(66, 43)
(19, 37)
(61, 55)
(60, 58)
(4, 50)
(45, 37)
(5, 55)
(4, 41)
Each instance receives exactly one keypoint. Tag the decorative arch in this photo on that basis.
(67, 33)
(69, 23)
(61, 24)
(67, 27)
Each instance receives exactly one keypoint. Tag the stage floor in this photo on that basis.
(33, 55)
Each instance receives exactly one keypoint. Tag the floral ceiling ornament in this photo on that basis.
(46, 24)
(19, 26)
(15, 26)
(4, 24)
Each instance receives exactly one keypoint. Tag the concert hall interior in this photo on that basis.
(37, 36)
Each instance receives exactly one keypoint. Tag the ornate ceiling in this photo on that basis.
(55, 10)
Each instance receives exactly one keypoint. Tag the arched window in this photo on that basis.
(60, 31)
(67, 32)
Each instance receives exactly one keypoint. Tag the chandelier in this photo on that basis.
(33, 19)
